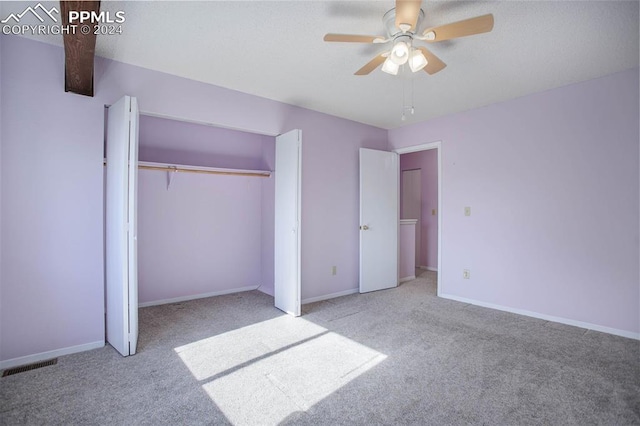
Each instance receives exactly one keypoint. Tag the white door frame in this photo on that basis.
(437, 145)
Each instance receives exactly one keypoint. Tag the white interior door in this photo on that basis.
(379, 204)
(411, 202)
(287, 222)
(121, 226)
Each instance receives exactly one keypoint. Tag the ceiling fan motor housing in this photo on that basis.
(389, 21)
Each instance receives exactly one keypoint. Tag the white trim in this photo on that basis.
(197, 296)
(437, 145)
(417, 148)
(329, 296)
(43, 356)
(428, 268)
(581, 324)
(408, 221)
(405, 279)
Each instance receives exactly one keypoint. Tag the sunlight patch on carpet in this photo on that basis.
(266, 372)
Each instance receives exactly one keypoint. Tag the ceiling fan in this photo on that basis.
(401, 24)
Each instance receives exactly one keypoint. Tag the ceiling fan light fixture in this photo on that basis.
(390, 67)
(417, 60)
(400, 53)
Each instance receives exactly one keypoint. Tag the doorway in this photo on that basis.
(417, 171)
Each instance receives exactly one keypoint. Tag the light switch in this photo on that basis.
(467, 211)
(433, 212)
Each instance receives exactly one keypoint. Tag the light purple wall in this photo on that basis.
(52, 225)
(201, 236)
(552, 181)
(427, 162)
(171, 141)
(407, 258)
(52, 150)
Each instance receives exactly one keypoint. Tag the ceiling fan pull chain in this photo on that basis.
(407, 105)
(404, 94)
(412, 104)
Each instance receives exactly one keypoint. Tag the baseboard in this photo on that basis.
(405, 279)
(329, 296)
(196, 296)
(428, 268)
(581, 324)
(267, 291)
(43, 356)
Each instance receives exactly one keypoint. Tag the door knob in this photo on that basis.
(364, 227)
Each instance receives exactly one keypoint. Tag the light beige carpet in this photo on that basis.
(398, 356)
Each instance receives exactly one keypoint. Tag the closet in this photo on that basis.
(209, 201)
(199, 210)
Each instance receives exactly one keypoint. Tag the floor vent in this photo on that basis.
(22, 369)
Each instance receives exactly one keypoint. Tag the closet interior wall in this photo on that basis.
(203, 234)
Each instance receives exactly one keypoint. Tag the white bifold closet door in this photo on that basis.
(121, 226)
(379, 222)
(287, 222)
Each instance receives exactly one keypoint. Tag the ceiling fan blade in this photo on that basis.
(407, 12)
(434, 64)
(352, 38)
(477, 25)
(371, 65)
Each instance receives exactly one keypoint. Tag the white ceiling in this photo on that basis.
(274, 49)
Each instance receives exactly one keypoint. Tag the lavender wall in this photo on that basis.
(407, 257)
(52, 236)
(427, 162)
(171, 141)
(203, 235)
(52, 150)
(552, 182)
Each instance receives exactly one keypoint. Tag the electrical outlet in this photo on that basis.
(467, 211)
(334, 270)
(466, 274)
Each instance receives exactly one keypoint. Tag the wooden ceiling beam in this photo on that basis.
(79, 48)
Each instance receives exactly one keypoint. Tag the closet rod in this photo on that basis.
(210, 172)
(194, 169)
